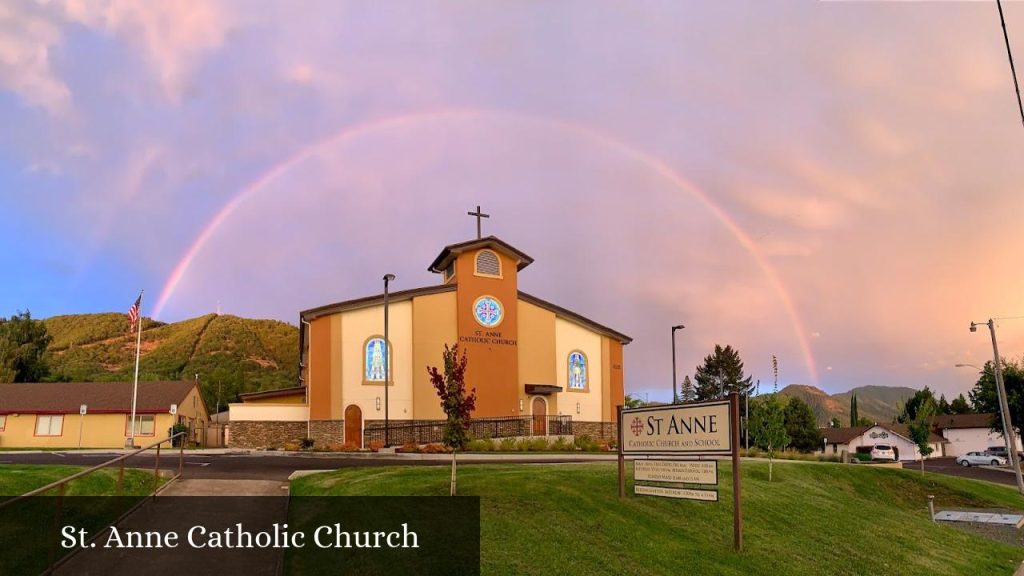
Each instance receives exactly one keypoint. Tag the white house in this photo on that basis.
(839, 440)
(969, 433)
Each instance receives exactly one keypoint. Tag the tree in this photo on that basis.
(456, 403)
(768, 427)
(944, 407)
(834, 423)
(23, 345)
(985, 399)
(687, 392)
(801, 426)
(854, 418)
(921, 427)
(721, 373)
(914, 403)
(633, 402)
(959, 405)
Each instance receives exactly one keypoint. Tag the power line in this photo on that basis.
(1009, 54)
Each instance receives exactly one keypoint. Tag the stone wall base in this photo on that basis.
(598, 431)
(265, 434)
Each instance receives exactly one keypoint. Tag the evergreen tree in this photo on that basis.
(687, 393)
(721, 374)
(959, 405)
(944, 407)
(834, 423)
(802, 426)
(985, 399)
(914, 403)
(854, 418)
(23, 344)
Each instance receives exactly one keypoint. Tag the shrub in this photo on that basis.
(349, 447)
(408, 448)
(376, 445)
(335, 447)
(562, 444)
(585, 443)
(292, 446)
(307, 443)
(537, 444)
(435, 449)
(862, 456)
(507, 445)
(480, 445)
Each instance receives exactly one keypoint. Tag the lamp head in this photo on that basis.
(389, 277)
(974, 327)
(678, 327)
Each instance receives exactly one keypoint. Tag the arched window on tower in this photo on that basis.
(375, 356)
(577, 371)
(488, 264)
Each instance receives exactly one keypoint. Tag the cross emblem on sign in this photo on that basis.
(637, 426)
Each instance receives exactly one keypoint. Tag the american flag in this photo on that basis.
(133, 313)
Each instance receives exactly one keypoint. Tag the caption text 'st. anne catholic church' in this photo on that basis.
(527, 357)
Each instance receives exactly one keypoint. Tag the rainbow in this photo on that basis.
(396, 122)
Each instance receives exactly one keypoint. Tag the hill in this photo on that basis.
(878, 403)
(231, 354)
(813, 518)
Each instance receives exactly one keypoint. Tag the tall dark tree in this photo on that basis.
(944, 407)
(959, 405)
(720, 374)
(914, 403)
(985, 399)
(854, 417)
(687, 393)
(801, 426)
(23, 344)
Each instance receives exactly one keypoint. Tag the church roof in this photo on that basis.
(451, 251)
(400, 296)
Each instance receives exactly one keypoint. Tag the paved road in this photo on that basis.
(950, 467)
(261, 466)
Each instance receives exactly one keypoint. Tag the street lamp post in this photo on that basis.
(387, 361)
(1004, 407)
(675, 397)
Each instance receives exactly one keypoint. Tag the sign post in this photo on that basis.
(81, 420)
(682, 431)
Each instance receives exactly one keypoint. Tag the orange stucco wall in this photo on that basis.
(492, 352)
(616, 389)
(320, 368)
(433, 326)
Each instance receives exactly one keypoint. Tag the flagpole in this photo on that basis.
(135, 385)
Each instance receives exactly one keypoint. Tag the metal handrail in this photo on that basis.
(63, 481)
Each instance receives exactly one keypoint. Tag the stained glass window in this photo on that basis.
(488, 311)
(376, 355)
(577, 371)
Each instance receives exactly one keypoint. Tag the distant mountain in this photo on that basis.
(877, 403)
(231, 354)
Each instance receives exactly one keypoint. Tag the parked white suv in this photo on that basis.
(883, 452)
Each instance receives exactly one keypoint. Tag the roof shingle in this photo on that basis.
(100, 397)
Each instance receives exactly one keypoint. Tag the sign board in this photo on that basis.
(684, 493)
(679, 429)
(686, 472)
(82, 409)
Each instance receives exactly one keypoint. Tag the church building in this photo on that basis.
(527, 357)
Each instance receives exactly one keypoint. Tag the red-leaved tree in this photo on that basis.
(457, 404)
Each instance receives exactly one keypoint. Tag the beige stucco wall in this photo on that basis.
(267, 412)
(570, 336)
(537, 363)
(433, 325)
(98, 431)
(356, 327)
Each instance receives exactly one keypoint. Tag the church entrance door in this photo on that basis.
(540, 408)
(354, 425)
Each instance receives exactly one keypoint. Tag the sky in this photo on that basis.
(837, 184)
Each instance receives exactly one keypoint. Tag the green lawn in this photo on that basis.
(17, 479)
(812, 519)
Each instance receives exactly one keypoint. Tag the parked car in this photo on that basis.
(1001, 452)
(980, 459)
(883, 452)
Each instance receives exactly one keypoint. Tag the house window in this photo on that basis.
(577, 371)
(449, 272)
(488, 264)
(3, 422)
(375, 354)
(49, 425)
(144, 425)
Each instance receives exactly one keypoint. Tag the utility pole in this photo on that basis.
(675, 396)
(1004, 408)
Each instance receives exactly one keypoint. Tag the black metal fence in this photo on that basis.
(430, 431)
